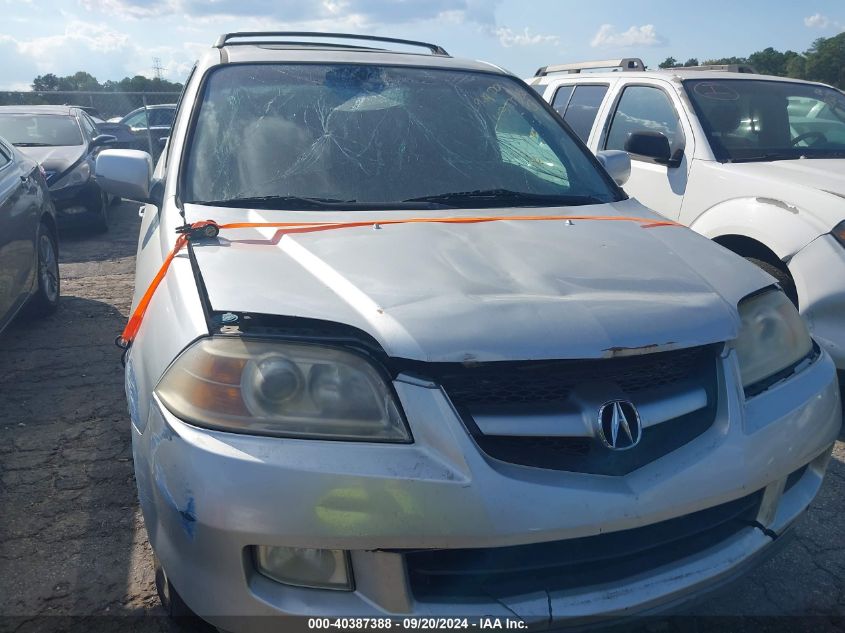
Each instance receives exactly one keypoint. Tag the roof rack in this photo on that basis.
(726, 68)
(626, 64)
(227, 39)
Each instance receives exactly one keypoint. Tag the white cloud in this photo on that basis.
(94, 48)
(817, 21)
(361, 12)
(608, 37)
(508, 37)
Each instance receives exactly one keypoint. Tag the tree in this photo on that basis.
(79, 81)
(692, 61)
(669, 62)
(826, 60)
(723, 61)
(796, 67)
(45, 82)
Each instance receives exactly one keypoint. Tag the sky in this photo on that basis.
(112, 39)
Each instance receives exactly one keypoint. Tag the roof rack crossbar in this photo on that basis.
(625, 64)
(227, 39)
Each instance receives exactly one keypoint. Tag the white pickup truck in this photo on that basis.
(754, 162)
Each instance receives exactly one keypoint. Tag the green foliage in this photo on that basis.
(692, 61)
(824, 61)
(84, 82)
(725, 61)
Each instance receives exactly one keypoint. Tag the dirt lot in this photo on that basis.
(72, 540)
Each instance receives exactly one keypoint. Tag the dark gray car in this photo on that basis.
(64, 141)
(29, 247)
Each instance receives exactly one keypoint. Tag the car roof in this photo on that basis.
(293, 53)
(155, 106)
(39, 109)
(676, 74)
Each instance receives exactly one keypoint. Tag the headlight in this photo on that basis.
(773, 337)
(839, 233)
(79, 175)
(284, 389)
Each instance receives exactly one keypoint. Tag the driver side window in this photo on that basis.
(644, 109)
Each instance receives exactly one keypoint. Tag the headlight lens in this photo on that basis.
(839, 233)
(77, 176)
(773, 336)
(285, 389)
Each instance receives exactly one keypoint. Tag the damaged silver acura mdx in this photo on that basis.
(401, 345)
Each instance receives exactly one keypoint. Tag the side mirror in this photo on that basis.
(103, 139)
(617, 163)
(649, 144)
(126, 173)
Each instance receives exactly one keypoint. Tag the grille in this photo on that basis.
(543, 382)
(486, 573)
(543, 386)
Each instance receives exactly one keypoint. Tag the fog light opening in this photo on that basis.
(305, 566)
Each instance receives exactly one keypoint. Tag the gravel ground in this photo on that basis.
(72, 540)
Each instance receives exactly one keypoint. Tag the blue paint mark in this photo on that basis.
(189, 518)
(131, 387)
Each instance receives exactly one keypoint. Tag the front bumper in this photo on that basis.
(75, 200)
(208, 496)
(819, 273)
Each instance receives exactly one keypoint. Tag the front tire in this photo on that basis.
(171, 601)
(45, 301)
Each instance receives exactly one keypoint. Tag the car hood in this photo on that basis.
(826, 174)
(483, 292)
(54, 159)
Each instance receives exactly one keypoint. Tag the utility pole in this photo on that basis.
(157, 68)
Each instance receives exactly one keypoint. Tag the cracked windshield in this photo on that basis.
(371, 135)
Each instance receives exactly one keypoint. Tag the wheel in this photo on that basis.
(171, 601)
(784, 278)
(46, 298)
(99, 210)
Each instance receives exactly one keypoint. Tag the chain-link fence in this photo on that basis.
(100, 104)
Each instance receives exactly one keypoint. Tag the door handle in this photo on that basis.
(141, 210)
(24, 178)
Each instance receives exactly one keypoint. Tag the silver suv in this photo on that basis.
(401, 345)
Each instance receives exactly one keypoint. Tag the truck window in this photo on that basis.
(561, 99)
(583, 108)
(643, 108)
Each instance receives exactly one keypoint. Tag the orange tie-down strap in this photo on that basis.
(210, 228)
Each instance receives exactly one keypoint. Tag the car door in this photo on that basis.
(651, 106)
(18, 193)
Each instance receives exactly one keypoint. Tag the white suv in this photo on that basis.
(756, 163)
(428, 359)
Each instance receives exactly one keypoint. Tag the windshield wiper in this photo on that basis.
(770, 156)
(275, 202)
(294, 203)
(32, 145)
(505, 198)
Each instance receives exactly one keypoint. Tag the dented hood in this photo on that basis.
(486, 292)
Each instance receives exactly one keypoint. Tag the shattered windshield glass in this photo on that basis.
(358, 134)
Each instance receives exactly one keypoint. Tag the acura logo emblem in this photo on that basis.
(619, 425)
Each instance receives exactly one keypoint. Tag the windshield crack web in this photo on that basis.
(371, 134)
